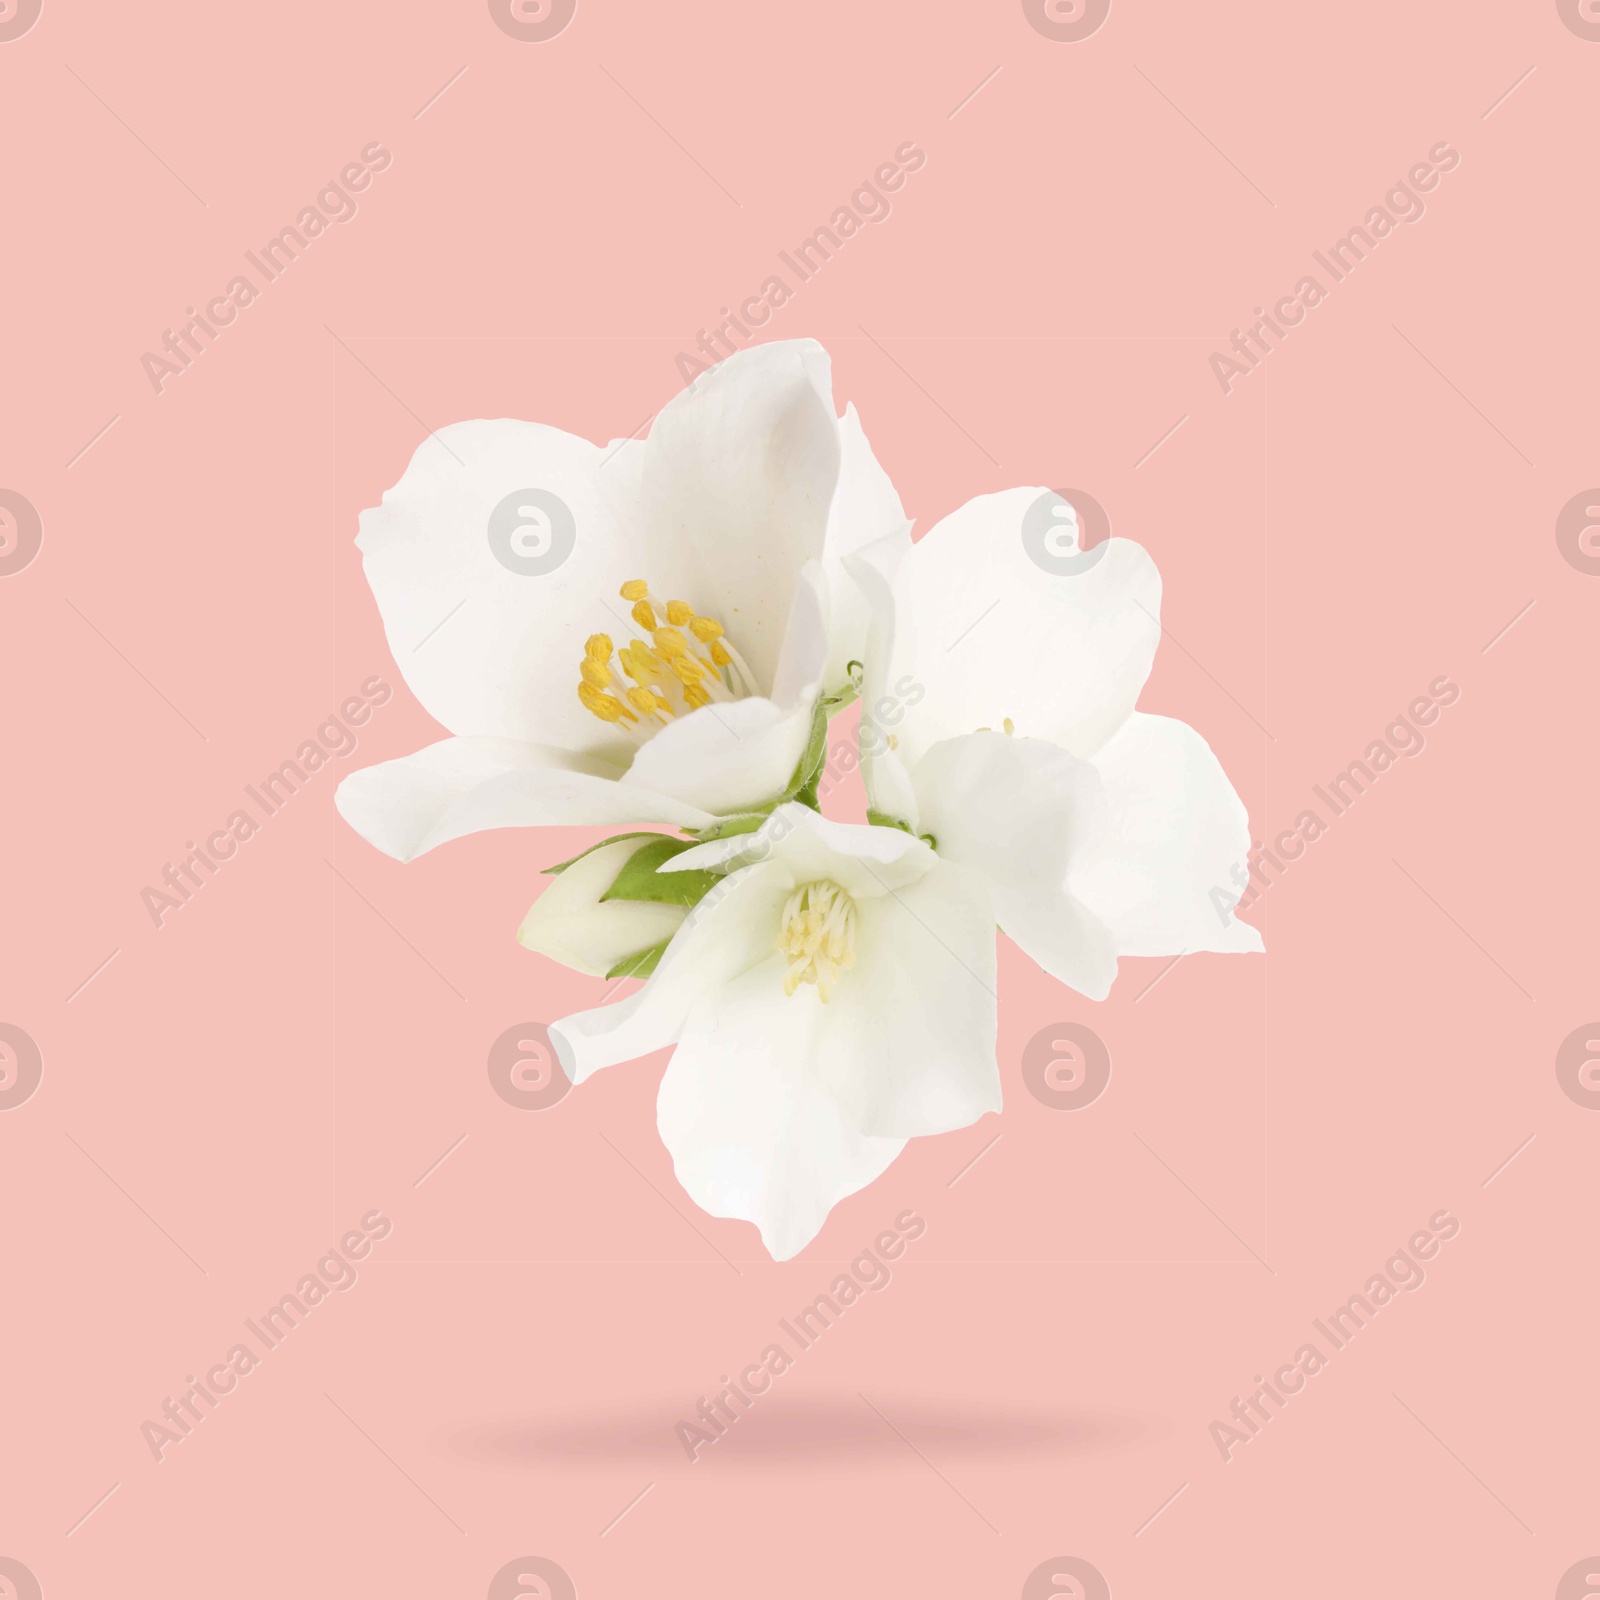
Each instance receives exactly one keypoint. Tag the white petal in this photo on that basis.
(1163, 881)
(906, 1041)
(732, 929)
(890, 792)
(489, 650)
(802, 662)
(866, 511)
(570, 923)
(727, 757)
(1015, 809)
(883, 705)
(865, 862)
(731, 757)
(739, 473)
(1021, 811)
(985, 633)
(1051, 925)
(461, 786)
(752, 1130)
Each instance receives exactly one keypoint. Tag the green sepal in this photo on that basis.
(729, 826)
(803, 785)
(641, 879)
(641, 964)
(616, 838)
(882, 819)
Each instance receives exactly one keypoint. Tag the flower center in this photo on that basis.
(673, 672)
(818, 935)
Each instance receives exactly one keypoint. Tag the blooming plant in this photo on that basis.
(667, 649)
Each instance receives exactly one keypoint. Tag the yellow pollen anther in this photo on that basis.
(648, 701)
(639, 663)
(818, 935)
(678, 664)
(605, 706)
(1009, 725)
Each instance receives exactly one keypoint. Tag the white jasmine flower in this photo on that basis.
(637, 633)
(830, 998)
(1013, 742)
(667, 651)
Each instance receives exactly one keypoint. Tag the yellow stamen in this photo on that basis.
(1009, 725)
(679, 663)
(640, 664)
(818, 935)
(648, 701)
(605, 706)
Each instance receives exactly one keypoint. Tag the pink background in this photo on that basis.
(304, 1040)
